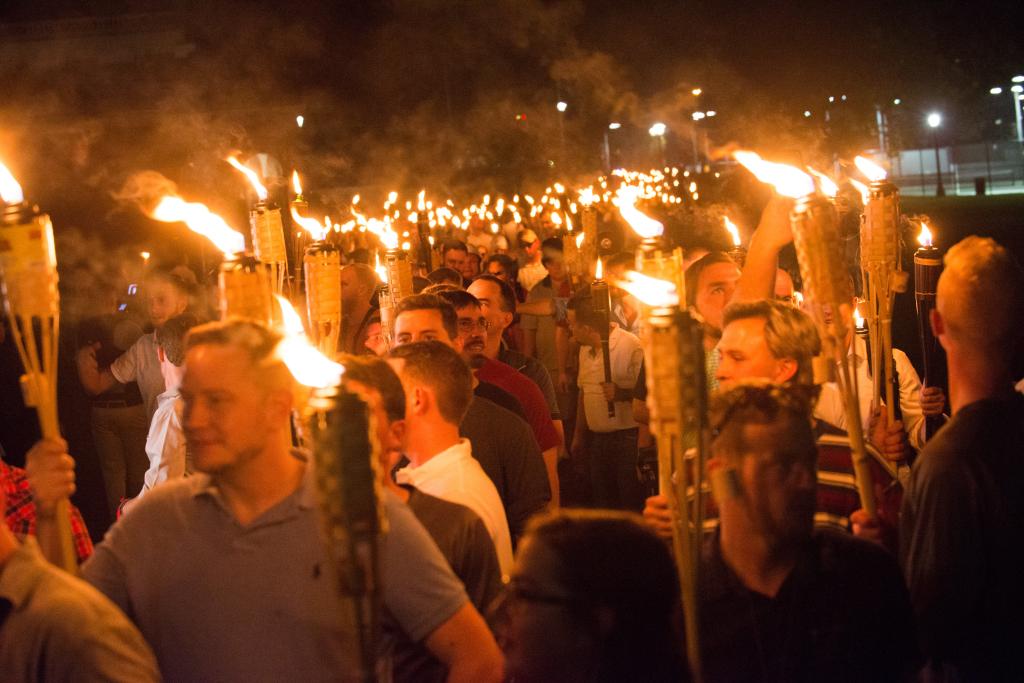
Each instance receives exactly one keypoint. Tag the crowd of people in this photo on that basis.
(524, 541)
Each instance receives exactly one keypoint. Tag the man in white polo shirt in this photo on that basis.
(438, 388)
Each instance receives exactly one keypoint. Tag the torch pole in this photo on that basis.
(602, 306)
(927, 268)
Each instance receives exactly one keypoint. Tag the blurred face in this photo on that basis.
(777, 499)
(784, 286)
(472, 268)
(494, 268)
(542, 638)
(613, 274)
(228, 417)
(351, 290)
(472, 333)
(715, 288)
(164, 301)
(375, 342)
(456, 260)
(421, 325)
(744, 354)
(582, 334)
(489, 295)
(556, 268)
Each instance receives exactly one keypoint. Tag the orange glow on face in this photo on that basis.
(788, 181)
(649, 290)
(254, 179)
(924, 238)
(10, 190)
(873, 171)
(201, 220)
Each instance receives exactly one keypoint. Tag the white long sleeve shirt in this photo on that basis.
(165, 445)
(830, 404)
(626, 356)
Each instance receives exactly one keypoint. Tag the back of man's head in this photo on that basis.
(171, 336)
(445, 276)
(981, 298)
(375, 373)
(582, 304)
(788, 333)
(440, 368)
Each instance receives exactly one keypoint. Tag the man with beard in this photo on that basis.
(779, 599)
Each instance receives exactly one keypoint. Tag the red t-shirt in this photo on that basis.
(529, 396)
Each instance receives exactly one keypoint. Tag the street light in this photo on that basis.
(658, 131)
(698, 115)
(561, 106)
(300, 120)
(696, 92)
(934, 121)
(1015, 91)
(614, 125)
(1017, 79)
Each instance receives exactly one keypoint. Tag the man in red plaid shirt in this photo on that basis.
(21, 512)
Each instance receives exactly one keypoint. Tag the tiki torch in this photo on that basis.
(927, 268)
(603, 308)
(882, 275)
(267, 230)
(397, 275)
(345, 457)
(830, 298)
(322, 263)
(424, 251)
(28, 276)
(243, 283)
(677, 398)
(654, 258)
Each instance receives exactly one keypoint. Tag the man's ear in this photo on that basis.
(786, 369)
(938, 326)
(419, 400)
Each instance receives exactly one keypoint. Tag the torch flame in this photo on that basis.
(873, 171)
(254, 179)
(296, 185)
(649, 290)
(865, 193)
(827, 185)
(200, 219)
(733, 231)
(925, 237)
(421, 203)
(382, 271)
(599, 270)
(787, 180)
(308, 366)
(644, 226)
(858, 319)
(311, 225)
(10, 190)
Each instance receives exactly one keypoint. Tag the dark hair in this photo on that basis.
(180, 277)
(761, 402)
(507, 263)
(445, 275)
(431, 302)
(171, 336)
(457, 245)
(508, 295)
(440, 367)
(419, 284)
(697, 267)
(376, 374)
(459, 298)
(551, 250)
(612, 561)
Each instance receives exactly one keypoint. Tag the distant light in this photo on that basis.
(698, 115)
(698, 91)
(1017, 79)
(145, 255)
(831, 98)
(999, 122)
(300, 119)
(520, 117)
(996, 91)
(807, 114)
(1017, 88)
(561, 106)
(614, 125)
(712, 113)
(897, 101)
(843, 98)
(934, 119)
(657, 130)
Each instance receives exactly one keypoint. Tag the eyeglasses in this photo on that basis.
(468, 325)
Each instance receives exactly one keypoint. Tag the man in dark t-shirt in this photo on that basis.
(962, 523)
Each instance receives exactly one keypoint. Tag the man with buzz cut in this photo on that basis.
(225, 573)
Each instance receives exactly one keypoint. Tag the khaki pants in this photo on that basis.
(120, 438)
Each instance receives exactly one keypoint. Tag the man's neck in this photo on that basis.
(974, 377)
(429, 438)
(493, 346)
(760, 566)
(261, 483)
